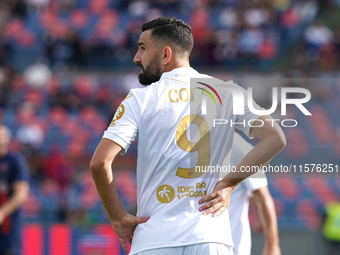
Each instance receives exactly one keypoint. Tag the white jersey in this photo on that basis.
(239, 201)
(158, 115)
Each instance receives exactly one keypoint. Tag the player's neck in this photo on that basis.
(175, 64)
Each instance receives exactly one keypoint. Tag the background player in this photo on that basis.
(14, 189)
(239, 204)
(178, 223)
(331, 227)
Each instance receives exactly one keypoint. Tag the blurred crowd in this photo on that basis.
(235, 34)
(57, 114)
(56, 121)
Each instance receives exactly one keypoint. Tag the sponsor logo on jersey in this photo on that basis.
(165, 194)
(119, 113)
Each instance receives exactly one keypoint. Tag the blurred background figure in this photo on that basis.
(331, 227)
(14, 189)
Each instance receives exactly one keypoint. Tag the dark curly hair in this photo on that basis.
(171, 30)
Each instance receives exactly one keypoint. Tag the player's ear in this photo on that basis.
(167, 55)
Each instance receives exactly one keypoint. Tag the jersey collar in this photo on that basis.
(180, 73)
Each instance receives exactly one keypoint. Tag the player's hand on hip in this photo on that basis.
(125, 227)
(217, 201)
(271, 250)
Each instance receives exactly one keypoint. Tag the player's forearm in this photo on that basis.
(259, 156)
(258, 213)
(16, 200)
(107, 190)
(101, 171)
(267, 215)
(270, 230)
(11, 205)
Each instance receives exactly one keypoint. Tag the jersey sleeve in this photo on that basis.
(253, 184)
(245, 121)
(123, 128)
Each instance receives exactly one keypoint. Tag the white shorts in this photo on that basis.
(195, 249)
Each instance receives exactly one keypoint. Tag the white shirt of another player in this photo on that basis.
(159, 116)
(239, 202)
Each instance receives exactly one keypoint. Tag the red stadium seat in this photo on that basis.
(34, 97)
(85, 85)
(279, 207)
(337, 147)
(90, 117)
(32, 206)
(321, 125)
(289, 188)
(87, 182)
(59, 28)
(308, 212)
(107, 24)
(127, 185)
(79, 18)
(98, 6)
(47, 18)
(15, 28)
(321, 189)
(297, 144)
(57, 116)
(27, 39)
(76, 148)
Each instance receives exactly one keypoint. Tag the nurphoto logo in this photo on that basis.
(242, 98)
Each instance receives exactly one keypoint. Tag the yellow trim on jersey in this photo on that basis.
(177, 80)
(128, 96)
(181, 67)
(117, 144)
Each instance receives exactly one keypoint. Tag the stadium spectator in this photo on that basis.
(249, 44)
(6, 76)
(290, 22)
(37, 74)
(14, 189)
(5, 48)
(72, 34)
(38, 4)
(17, 8)
(318, 35)
(29, 133)
(256, 16)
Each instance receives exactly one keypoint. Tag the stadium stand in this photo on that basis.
(57, 100)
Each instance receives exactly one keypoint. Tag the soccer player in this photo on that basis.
(177, 207)
(239, 204)
(14, 189)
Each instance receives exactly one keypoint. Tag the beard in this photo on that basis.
(152, 73)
